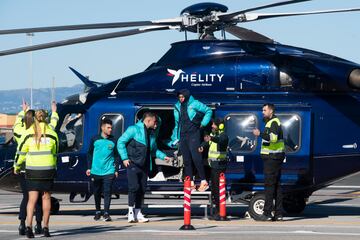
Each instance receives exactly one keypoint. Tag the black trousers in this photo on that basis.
(137, 180)
(272, 174)
(215, 174)
(25, 199)
(103, 184)
(189, 144)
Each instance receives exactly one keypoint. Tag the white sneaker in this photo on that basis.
(131, 217)
(158, 177)
(140, 217)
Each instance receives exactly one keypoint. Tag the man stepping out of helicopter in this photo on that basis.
(190, 116)
(136, 147)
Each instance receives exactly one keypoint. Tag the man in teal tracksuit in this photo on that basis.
(190, 115)
(102, 167)
(136, 147)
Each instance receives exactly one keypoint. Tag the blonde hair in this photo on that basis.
(40, 117)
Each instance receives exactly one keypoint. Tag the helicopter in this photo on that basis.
(315, 95)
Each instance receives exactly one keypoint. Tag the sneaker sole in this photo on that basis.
(203, 190)
(143, 221)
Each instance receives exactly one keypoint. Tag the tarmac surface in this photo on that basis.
(331, 213)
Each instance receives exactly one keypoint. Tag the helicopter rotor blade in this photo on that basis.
(261, 16)
(85, 39)
(247, 34)
(173, 21)
(231, 16)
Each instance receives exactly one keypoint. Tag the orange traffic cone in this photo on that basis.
(222, 198)
(187, 205)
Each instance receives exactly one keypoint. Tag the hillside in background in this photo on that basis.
(10, 100)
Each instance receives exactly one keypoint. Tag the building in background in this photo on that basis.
(6, 124)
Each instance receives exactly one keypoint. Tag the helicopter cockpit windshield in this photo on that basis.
(71, 132)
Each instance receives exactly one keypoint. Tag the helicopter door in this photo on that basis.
(70, 156)
(245, 165)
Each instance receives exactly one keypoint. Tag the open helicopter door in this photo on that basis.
(245, 168)
(71, 129)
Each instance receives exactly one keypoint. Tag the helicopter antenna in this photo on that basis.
(113, 93)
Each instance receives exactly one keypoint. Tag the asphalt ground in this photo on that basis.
(331, 213)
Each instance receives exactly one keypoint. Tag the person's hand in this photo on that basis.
(207, 138)
(53, 106)
(24, 106)
(175, 143)
(116, 174)
(126, 163)
(16, 172)
(88, 172)
(200, 149)
(167, 159)
(256, 132)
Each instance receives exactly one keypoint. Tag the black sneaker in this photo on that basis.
(265, 218)
(278, 218)
(97, 216)
(22, 229)
(107, 217)
(38, 229)
(29, 232)
(46, 232)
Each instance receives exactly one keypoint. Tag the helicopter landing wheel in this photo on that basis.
(256, 206)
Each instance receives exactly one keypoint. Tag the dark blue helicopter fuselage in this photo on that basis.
(312, 92)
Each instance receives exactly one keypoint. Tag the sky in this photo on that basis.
(103, 61)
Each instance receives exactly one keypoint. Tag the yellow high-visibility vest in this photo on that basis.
(40, 163)
(214, 154)
(276, 143)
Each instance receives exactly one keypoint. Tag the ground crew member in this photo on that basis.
(217, 144)
(24, 120)
(272, 154)
(103, 165)
(136, 147)
(190, 115)
(39, 146)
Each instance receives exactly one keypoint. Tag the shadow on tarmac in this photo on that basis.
(87, 230)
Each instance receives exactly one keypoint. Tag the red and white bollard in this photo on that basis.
(187, 205)
(222, 198)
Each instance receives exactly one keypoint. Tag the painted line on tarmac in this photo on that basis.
(199, 232)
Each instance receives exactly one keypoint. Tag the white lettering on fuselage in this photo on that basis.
(196, 80)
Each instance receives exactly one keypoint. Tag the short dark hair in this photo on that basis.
(149, 114)
(270, 105)
(217, 121)
(106, 121)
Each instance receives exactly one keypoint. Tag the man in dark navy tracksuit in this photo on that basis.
(137, 146)
(190, 115)
(103, 167)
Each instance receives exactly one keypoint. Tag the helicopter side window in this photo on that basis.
(71, 133)
(291, 126)
(239, 130)
(117, 123)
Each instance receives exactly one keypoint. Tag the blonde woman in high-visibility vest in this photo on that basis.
(273, 154)
(38, 146)
(24, 120)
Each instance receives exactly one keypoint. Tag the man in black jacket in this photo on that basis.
(217, 143)
(273, 155)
